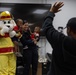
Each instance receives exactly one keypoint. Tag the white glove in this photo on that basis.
(12, 34)
(4, 30)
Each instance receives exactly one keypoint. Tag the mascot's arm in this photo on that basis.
(12, 34)
(4, 30)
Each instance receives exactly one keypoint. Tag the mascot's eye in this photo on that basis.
(4, 22)
(8, 21)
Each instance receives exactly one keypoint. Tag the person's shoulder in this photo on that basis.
(69, 39)
(69, 42)
(69, 46)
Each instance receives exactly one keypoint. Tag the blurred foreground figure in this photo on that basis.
(64, 47)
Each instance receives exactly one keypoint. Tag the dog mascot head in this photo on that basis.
(7, 24)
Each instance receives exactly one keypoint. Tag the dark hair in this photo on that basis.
(72, 24)
(18, 20)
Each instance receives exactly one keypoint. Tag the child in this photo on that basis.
(35, 36)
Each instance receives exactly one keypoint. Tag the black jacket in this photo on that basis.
(64, 49)
(27, 41)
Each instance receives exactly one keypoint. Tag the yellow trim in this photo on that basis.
(5, 18)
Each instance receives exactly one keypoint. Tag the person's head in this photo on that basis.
(37, 29)
(19, 22)
(71, 27)
(25, 26)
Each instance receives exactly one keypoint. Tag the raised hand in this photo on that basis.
(56, 7)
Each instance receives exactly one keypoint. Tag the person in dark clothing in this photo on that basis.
(30, 51)
(64, 47)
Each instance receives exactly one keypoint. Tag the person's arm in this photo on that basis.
(52, 35)
(37, 38)
(15, 41)
(24, 41)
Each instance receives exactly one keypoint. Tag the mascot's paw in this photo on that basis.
(12, 34)
(4, 30)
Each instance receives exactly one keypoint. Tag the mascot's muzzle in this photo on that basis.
(8, 26)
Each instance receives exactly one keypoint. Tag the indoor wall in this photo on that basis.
(61, 18)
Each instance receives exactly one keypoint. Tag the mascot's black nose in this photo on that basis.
(8, 26)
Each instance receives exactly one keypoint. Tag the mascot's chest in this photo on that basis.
(5, 41)
(6, 32)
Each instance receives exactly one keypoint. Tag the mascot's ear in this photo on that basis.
(12, 17)
(1, 24)
(13, 22)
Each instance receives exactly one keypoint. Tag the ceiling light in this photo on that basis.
(40, 11)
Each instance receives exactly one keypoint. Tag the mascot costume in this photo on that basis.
(7, 50)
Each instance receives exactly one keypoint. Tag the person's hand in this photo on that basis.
(35, 41)
(56, 7)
